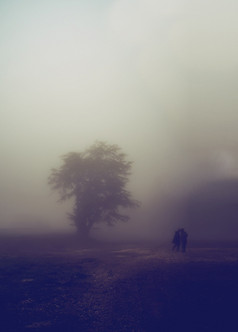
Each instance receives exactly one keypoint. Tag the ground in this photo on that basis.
(54, 284)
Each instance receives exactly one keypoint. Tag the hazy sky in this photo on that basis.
(158, 78)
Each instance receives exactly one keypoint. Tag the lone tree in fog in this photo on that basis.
(96, 179)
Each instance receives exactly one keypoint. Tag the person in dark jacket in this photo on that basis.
(176, 240)
(183, 239)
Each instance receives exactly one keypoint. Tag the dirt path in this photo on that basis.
(119, 289)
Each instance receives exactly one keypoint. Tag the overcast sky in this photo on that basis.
(156, 77)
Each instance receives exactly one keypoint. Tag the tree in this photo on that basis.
(96, 179)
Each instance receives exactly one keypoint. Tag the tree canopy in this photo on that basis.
(96, 178)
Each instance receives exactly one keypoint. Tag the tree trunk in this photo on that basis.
(83, 231)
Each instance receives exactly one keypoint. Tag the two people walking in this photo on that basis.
(180, 240)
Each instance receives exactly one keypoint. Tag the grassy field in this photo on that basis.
(53, 284)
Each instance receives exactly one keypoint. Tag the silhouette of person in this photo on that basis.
(176, 241)
(183, 239)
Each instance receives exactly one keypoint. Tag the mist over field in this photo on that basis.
(158, 78)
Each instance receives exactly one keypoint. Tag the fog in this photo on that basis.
(158, 78)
